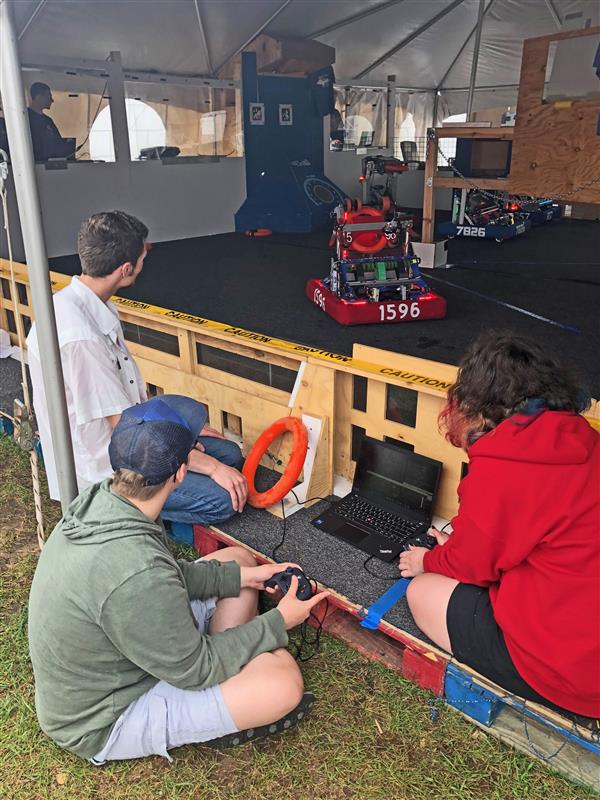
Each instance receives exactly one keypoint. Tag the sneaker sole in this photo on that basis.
(295, 716)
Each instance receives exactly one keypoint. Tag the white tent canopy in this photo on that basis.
(195, 37)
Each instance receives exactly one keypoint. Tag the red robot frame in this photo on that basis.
(374, 276)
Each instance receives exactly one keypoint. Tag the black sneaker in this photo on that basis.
(251, 734)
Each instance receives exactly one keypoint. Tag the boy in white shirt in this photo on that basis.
(102, 378)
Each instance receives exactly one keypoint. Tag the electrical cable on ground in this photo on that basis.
(304, 640)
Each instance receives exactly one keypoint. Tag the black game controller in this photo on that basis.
(422, 540)
(283, 581)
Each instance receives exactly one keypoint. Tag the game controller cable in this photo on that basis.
(304, 639)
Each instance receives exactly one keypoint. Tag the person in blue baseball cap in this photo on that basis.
(134, 652)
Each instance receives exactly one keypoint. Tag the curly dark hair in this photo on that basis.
(502, 374)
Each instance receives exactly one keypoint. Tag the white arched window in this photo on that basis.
(146, 129)
(407, 131)
(359, 130)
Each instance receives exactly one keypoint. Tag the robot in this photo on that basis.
(374, 275)
(538, 210)
(377, 178)
(487, 216)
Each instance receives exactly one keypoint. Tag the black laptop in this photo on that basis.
(390, 504)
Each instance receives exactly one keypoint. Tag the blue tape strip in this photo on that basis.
(383, 604)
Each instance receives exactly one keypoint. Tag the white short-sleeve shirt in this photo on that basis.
(101, 379)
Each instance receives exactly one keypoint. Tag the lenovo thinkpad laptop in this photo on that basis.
(390, 503)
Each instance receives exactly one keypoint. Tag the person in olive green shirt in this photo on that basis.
(135, 652)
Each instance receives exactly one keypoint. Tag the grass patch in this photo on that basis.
(371, 735)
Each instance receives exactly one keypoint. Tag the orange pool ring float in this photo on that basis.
(291, 472)
(367, 241)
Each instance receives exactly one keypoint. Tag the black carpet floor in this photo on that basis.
(258, 284)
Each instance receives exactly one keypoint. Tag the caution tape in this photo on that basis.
(384, 372)
(285, 346)
(280, 344)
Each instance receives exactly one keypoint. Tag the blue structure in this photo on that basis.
(286, 190)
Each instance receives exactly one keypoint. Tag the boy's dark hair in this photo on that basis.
(502, 374)
(109, 239)
(38, 88)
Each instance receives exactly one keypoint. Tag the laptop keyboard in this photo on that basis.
(385, 524)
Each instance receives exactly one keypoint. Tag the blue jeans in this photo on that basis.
(199, 499)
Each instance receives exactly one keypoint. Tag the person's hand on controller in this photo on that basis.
(256, 577)
(281, 580)
(411, 561)
(295, 611)
(441, 538)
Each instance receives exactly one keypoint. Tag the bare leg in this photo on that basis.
(265, 690)
(428, 596)
(233, 611)
(270, 685)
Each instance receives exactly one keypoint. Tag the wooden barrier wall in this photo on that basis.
(248, 380)
(556, 148)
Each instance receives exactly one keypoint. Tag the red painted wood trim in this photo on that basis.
(415, 661)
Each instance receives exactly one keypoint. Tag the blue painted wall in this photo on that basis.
(286, 189)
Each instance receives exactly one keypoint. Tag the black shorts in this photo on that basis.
(477, 641)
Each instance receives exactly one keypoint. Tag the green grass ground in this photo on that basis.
(371, 735)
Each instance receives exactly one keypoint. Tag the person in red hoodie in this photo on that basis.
(514, 591)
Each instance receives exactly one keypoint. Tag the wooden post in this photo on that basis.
(428, 195)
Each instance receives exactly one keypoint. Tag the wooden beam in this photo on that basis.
(458, 132)
(290, 56)
(428, 195)
(553, 37)
(501, 184)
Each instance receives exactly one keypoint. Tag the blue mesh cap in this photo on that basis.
(155, 438)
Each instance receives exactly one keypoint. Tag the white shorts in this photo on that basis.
(166, 717)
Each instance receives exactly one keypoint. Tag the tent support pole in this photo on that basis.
(118, 107)
(22, 164)
(391, 113)
(475, 59)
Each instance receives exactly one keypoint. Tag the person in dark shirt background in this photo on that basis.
(46, 138)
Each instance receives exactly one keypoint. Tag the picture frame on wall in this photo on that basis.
(257, 113)
(286, 114)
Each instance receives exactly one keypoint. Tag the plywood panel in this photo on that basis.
(316, 397)
(556, 149)
(342, 464)
(256, 413)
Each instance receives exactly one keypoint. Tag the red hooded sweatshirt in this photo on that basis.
(528, 527)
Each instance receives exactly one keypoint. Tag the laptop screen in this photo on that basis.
(384, 471)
